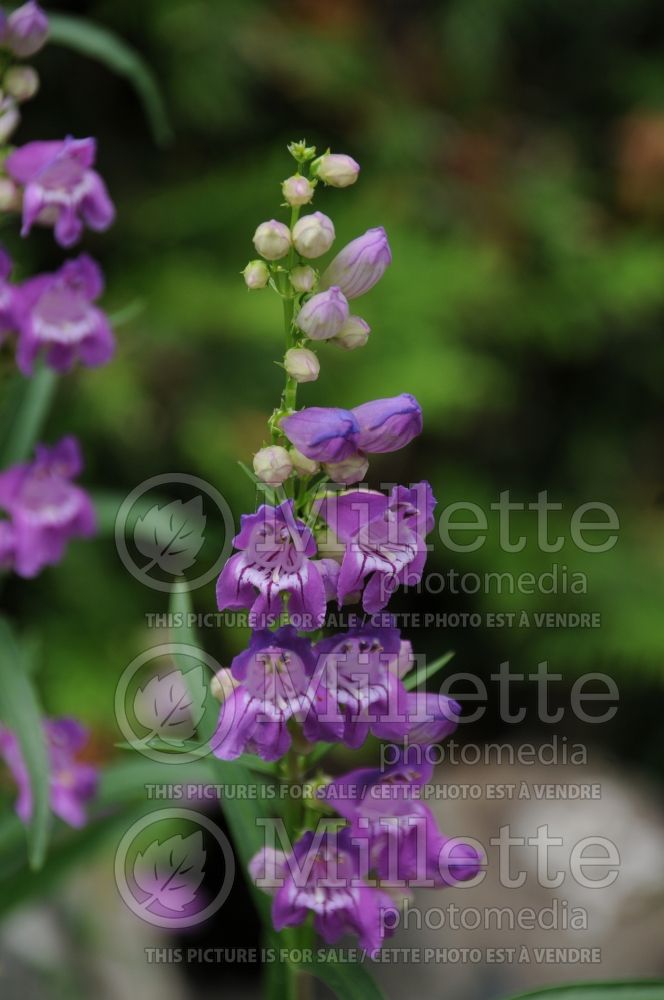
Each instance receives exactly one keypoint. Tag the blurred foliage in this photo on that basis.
(515, 153)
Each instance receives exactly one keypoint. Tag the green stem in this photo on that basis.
(30, 415)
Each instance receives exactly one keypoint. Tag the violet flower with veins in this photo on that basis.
(275, 558)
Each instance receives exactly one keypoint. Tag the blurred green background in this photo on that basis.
(514, 151)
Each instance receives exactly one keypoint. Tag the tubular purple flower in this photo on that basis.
(323, 875)
(27, 29)
(388, 424)
(272, 678)
(360, 264)
(61, 189)
(275, 557)
(45, 508)
(322, 433)
(323, 315)
(56, 314)
(71, 783)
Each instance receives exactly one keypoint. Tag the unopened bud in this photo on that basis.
(350, 470)
(301, 152)
(336, 169)
(27, 29)
(9, 195)
(302, 364)
(223, 684)
(272, 465)
(21, 82)
(272, 240)
(322, 316)
(256, 274)
(302, 465)
(303, 278)
(297, 190)
(313, 235)
(354, 333)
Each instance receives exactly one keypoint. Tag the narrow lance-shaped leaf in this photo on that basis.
(19, 710)
(109, 49)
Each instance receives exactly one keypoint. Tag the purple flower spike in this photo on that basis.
(323, 315)
(323, 876)
(275, 558)
(45, 508)
(384, 540)
(274, 677)
(388, 424)
(72, 784)
(322, 433)
(360, 265)
(61, 189)
(56, 313)
(27, 30)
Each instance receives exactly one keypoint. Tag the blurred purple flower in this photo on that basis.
(26, 30)
(56, 312)
(72, 784)
(402, 838)
(359, 265)
(45, 508)
(275, 558)
(61, 189)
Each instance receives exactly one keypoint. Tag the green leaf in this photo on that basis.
(420, 676)
(109, 49)
(623, 990)
(19, 710)
(24, 426)
(349, 982)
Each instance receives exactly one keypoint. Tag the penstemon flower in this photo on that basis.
(60, 188)
(45, 508)
(56, 313)
(294, 691)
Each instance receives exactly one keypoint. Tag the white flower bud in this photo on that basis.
(354, 333)
(223, 684)
(350, 470)
(21, 82)
(272, 240)
(297, 190)
(256, 274)
(10, 118)
(303, 278)
(272, 465)
(336, 169)
(302, 364)
(302, 465)
(313, 235)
